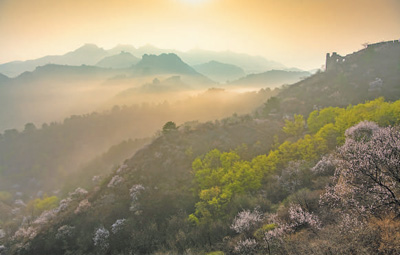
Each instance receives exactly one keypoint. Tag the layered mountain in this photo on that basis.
(271, 78)
(53, 92)
(88, 54)
(119, 61)
(163, 64)
(220, 72)
(63, 73)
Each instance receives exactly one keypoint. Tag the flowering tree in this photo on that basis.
(101, 239)
(368, 174)
(246, 220)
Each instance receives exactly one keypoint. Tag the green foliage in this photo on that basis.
(168, 127)
(215, 253)
(317, 119)
(37, 206)
(272, 105)
(332, 122)
(296, 127)
(219, 177)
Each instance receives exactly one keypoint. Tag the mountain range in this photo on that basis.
(90, 54)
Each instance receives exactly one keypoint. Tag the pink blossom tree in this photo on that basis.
(367, 177)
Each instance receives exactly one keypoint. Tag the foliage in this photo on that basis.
(367, 177)
(242, 196)
(37, 206)
(296, 127)
(219, 177)
(168, 127)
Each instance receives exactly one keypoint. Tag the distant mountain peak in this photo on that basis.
(164, 63)
(88, 46)
(169, 56)
(121, 60)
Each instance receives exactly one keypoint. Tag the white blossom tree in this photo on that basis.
(367, 177)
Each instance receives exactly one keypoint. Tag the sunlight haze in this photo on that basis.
(295, 33)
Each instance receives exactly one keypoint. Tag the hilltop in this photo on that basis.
(364, 75)
(119, 61)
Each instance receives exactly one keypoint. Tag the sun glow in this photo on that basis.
(194, 1)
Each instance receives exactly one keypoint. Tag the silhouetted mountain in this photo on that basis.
(220, 72)
(88, 54)
(122, 60)
(271, 78)
(152, 50)
(64, 73)
(163, 64)
(123, 47)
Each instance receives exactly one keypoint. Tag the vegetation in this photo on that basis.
(241, 199)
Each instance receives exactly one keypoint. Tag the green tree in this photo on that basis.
(168, 127)
(296, 127)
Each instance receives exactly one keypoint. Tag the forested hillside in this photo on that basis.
(245, 194)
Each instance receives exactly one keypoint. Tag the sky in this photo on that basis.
(297, 33)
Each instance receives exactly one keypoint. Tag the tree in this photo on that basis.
(367, 177)
(168, 127)
(295, 127)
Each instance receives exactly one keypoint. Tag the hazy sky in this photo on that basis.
(293, 32)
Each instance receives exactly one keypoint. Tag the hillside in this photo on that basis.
(270, 79)
(40, 158)
(364, 75)
(220, 72)
(212, 186)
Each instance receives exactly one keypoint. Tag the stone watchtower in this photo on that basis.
(333, 61)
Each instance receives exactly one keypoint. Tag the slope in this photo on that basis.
(273, 78)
